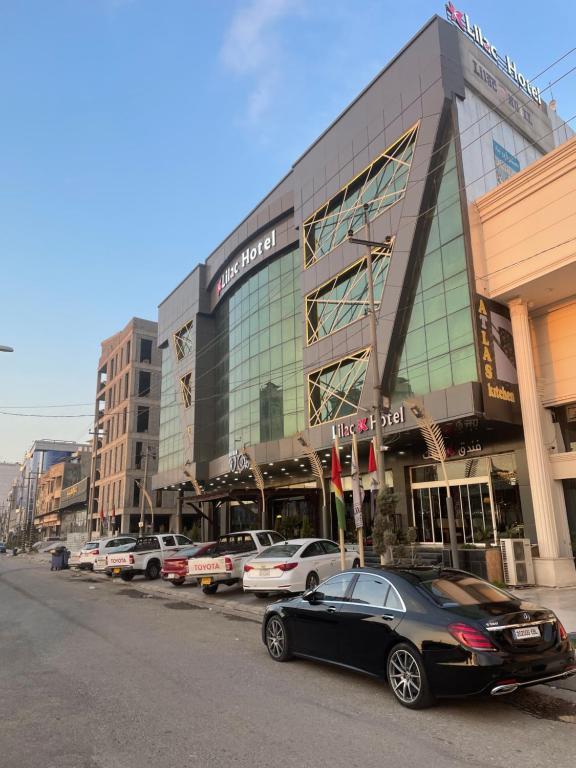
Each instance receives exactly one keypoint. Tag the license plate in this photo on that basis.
(116, 570)
(263, 571)
(171, 575)
(525, 633)
(205, 581)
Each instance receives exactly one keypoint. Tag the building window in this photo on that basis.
(124, 420)
(145, 350)
(136, 494)
(186, 388)
(126, 385)
(380, 185)
(565, 417)
(142, 418)
(334, 391)
(344, 299)
(159, 497)
(144, 379)
(183, 340)
(138, 455)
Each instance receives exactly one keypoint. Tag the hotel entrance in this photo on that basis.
(485, 495)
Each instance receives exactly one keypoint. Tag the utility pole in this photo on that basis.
(149, 450)
(376, 381)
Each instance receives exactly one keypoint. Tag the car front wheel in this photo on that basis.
(407, 677)
(152, 571)
(277, 639)
(312, 580)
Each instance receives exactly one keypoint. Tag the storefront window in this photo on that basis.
(484, 494)
(565, 417)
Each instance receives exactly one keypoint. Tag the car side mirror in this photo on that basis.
(313, 596)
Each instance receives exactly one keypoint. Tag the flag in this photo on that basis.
(357, 490)
(101, 513)
(373, 469)
(337, 488)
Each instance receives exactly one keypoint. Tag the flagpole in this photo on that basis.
(358, 498)
(339, 499)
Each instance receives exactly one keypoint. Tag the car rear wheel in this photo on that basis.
(152, 571)
(178, 582)
(356, 563)
(261, 595)
(407, 677)
(312, 580)
(126, 576)
(210, 590)
(277, 639)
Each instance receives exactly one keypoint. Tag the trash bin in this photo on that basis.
(59, 559)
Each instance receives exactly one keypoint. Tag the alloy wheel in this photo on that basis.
(275, 637)
(312, 581)
(404, 676)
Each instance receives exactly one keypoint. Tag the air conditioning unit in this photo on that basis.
(517, 562)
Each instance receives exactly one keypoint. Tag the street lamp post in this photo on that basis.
(376, 382)
(434, 440)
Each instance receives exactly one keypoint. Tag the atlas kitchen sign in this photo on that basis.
(367, 424)
(246, 258)
(505, 63)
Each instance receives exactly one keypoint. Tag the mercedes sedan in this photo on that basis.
(431, 632)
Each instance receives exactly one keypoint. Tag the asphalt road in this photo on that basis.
(93, 675)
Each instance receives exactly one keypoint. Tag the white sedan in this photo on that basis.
(294, 566)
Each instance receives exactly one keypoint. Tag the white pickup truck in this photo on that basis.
(146, 557)
(226, 564)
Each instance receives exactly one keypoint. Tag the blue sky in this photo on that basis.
(135, 134)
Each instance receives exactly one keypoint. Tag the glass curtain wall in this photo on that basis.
(259, 378)
(171, 449)
(438, 350)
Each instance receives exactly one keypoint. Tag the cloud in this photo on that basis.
(251, 49)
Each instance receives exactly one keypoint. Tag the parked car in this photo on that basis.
(2, 548)
(112, 548)
(175, 568)
(46, 544)
(146, 557)
(104, 546)
(432, 632)
(294, 566)
(225, 565)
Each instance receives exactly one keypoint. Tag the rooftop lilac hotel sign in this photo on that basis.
(505, 63)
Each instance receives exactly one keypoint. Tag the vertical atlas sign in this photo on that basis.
(505, 63)
(497, 362)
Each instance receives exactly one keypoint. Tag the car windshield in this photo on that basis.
(234, 543)
(453, 589)
(279, 550)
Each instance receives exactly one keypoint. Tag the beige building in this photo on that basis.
(53, 485)
(524, 245)
(127, 418)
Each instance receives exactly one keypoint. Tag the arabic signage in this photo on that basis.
(505, 63)
(367, 424)
(497, 362)
(247, 256)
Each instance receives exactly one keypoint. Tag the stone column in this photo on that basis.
(179, 505)
(555, 565)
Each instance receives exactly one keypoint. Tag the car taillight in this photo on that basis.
(248, 568)
(94, 551)
(228, 564)
(131, 559)
(471, 638)
(286, 566)
(562, 632)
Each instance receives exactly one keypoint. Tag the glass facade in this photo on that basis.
(184, 340)
(259, 376)
(439, 347)
(334, 391)
(171, 453)
(345, 298)
(380, 185)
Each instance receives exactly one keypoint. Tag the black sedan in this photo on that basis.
(430, 631)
